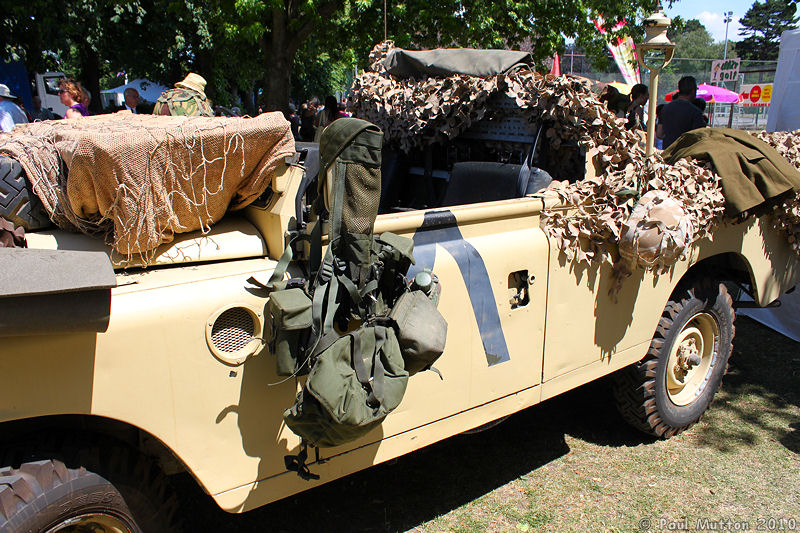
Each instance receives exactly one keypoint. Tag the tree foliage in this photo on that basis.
(693, 40)
(246, 47)
(762, 26)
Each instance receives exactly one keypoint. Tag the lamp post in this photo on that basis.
(655, 53)
(728, 18)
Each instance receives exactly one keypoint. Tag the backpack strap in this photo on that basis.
(297, 463)
(372, 379)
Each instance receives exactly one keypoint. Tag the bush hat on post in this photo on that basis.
(5, 92)
(194, 82)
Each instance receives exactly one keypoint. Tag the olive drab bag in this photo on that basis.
(338, 326)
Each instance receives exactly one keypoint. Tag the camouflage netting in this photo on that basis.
(787, 218)
(140, 179)
(414, 113)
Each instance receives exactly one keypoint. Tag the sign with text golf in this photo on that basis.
(724, 70)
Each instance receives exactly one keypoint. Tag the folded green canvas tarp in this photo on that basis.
(443, 62)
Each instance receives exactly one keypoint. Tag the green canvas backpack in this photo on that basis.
(338, 326)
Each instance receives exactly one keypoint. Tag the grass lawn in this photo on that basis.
(572, 464)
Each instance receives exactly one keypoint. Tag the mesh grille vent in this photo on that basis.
(233, 330)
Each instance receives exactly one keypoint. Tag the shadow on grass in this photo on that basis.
(759, 393)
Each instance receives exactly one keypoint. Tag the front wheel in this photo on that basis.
(670, 389)
(49, 497)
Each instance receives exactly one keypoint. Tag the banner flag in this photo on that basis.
(623, 51)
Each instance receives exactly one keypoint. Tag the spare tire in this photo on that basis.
(18, 203)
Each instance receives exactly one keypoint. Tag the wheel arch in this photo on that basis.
(724, 267)
(17, 436)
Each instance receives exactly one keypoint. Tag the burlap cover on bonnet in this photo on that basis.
(149, 176)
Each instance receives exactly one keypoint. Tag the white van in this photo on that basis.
(47, 90)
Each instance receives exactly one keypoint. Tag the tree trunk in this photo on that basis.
(250, 103)
(281, 49)
(278, 82)
(90, 78)
(279, 56)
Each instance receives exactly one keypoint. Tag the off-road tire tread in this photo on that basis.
(132, 474)
(20, 486)
(634, 386)
(18, 203)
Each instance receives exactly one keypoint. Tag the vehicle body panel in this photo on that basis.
(153, 368)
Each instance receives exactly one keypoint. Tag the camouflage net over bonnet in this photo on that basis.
(140, 179)
(415, 113)
(787, 219)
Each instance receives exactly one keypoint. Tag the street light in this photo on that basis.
(728, 18)
(655, 53)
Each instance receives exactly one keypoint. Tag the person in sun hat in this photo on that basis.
(187, 98)
(10, 113)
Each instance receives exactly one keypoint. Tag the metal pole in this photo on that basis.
(571, 57)
(385, 33)
(651, 107)
(651, 112)
(728, 18)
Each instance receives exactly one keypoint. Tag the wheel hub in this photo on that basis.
(691, 359)
(688, 358)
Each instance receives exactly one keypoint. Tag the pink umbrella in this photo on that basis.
(711, 93)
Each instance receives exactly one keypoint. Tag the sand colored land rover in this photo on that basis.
(117, 374)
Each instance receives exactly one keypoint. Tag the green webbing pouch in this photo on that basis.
(289, 317)
(395, 255)
(354, 384)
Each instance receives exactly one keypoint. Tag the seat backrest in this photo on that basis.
(481, 181)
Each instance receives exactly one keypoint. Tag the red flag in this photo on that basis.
(556, 70)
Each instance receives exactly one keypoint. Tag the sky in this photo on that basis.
(710, 14)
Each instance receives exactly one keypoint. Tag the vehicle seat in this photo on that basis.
(481, 181)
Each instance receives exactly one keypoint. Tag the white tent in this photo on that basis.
(784, 115)
(149, 91)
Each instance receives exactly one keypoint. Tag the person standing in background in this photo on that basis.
(87, 98)
(308, 113)
(39, 112)
(681, 115)
(328, 114)
(188, 98)
(659, 143)
(10, 113)
(639, 96)
(131, 100)
(71, 95)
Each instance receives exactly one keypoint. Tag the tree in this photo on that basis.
(337, 25)
(694, 41)
(680, 27)
(241, 45)
(762, 26)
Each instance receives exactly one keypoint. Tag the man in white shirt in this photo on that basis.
(10, 113)
(131, 99)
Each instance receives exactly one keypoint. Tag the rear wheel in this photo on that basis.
(670, 389)
(49, 497)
